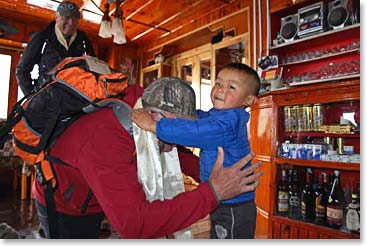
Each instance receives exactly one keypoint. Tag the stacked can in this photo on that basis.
(317, 117)
(290, 119)
(304, 117)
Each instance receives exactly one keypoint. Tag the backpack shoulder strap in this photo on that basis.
(120, 109)
(122, 112)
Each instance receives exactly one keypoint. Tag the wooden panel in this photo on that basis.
(308, 230)
(260, 134)
(294, 234)
(276, 230)
(263, 190)
(313, 235)
(323, 236)
(276, 5)
(303, 233)
(262, 224)
(285, 231)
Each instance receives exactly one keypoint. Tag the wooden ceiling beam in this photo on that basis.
(198, 24)
(186, 17)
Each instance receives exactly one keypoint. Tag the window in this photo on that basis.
(5, 61)
(90, 12)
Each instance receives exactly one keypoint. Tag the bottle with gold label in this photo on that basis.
(283, 189)
(334, 207)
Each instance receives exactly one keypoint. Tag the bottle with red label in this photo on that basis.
(321, 198)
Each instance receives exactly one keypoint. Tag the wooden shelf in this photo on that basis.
(320, 134)
(320, 58)
(316, 36)
(342, 232)
(319, 164)
(352, 76)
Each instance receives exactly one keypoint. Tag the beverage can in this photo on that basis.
(317, 117)
(304, 118)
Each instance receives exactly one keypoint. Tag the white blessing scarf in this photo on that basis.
(159, 173)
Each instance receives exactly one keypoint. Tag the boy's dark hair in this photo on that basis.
(255, 79)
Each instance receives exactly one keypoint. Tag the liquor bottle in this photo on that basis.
(321, 199)
(353, 212)
(334, 207)
(308, 198)
(294, 197)
(283, 189)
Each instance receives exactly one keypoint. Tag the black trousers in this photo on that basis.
(69, 226)
(236, 221)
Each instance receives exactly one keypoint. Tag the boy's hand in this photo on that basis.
(144, 120)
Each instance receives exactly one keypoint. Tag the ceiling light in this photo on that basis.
(117, 28)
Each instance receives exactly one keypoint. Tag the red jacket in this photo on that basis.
(100, 153)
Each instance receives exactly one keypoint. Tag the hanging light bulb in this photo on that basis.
(117, 28)
(105, 28)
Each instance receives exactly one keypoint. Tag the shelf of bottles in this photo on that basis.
(316, 134)
(318, 164)
(326, 197)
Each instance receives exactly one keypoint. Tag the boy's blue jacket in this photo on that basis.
(226, 128)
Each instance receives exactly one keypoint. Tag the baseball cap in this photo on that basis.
(68, 9)
(171, 94)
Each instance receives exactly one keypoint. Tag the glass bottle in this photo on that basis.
(334, 207)
(283, 189)
(353, 212)
(321, 199)
(308, 198)
(294, 197)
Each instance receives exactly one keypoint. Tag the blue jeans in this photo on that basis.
(69, 226)
(233, 221)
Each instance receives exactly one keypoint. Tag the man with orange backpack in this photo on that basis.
(100, 175)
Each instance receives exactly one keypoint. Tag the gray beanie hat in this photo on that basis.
(68, 9)
(171, 94)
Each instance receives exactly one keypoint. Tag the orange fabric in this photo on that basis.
(86, 82)
(23, 134)
(47, 172)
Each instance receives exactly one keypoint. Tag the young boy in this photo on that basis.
(236, 88)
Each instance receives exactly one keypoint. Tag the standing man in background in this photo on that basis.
(47, 48)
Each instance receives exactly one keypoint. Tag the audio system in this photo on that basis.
(289, 27)
(319, 17)
(311, 19)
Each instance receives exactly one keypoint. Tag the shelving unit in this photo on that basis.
(153, 72)
(336, 94)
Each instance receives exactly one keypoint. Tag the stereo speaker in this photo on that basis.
(289, 27)
(340, 13)
(357, 10)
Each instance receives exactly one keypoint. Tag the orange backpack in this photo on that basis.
(77, 88)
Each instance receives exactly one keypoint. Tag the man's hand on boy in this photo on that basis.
(232, 181)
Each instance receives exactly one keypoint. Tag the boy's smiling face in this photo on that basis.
(231, 90)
